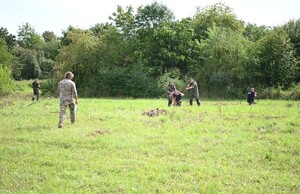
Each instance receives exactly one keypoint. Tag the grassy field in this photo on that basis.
(222, 146)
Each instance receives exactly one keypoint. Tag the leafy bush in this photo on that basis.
(49, 87)
(6, 85)
(292, 93)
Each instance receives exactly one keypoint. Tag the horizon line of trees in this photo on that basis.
(140, 50)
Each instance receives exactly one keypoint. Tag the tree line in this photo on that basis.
(138, 51)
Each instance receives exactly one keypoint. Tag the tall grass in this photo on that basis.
(222, 146)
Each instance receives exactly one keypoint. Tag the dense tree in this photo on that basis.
(49, 36)
(224, 65)
(9, 38)
(26, 66)
(277, 60)
(153, 15)
(219, 15)
(141, 49)
(51, 46)
(292, 29)
(124, 20)
(79, 57)
(169, 47)
(27, 37)
(254, 33)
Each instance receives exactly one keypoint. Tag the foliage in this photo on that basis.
(293, 93)
(5, 68)
(226, 63)
(9, 38)
(27, 37)
(152, 16)
(27, 65)
(6, 85)
(277, 60)
(254, 33)
(292, 29)
(223, 54)
(134, 82)
(49, 36)
(49, 87)
(219, 15)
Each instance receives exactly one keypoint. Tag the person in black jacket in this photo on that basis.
(251, 96)
(36, 90)
(170, 90)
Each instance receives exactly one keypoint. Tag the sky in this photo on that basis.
(57, 15)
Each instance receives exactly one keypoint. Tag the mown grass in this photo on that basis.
(222, 146)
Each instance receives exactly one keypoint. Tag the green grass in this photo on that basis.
(222, 146)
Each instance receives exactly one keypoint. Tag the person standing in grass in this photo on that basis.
(194, 92)
(170, 91)
(67, 93)
(36, 90)
(251, 96)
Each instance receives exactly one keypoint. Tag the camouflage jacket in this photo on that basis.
(170, 89)
(67, 91)
(194, 90)
(35, 85)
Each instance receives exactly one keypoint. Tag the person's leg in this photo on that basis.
(198, 101)
(33, 96)
(191, 101)
(37, 95)
(178, 100)
(72, 112)
(62, 115)
(169, 101)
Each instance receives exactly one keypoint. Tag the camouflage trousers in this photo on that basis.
(63, 109)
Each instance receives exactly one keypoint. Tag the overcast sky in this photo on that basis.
(57, 15)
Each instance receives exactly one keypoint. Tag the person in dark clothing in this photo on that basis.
(177, 96)
(170, 90)
(36, 90)
(194, 93)
(251, 96)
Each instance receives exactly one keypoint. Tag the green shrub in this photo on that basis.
(49, 87)
(6, 85)
(293, 93)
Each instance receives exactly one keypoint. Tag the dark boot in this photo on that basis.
(198, 103)
(170, 102)
(191, 102)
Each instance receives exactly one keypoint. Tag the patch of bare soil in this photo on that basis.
(155, 112)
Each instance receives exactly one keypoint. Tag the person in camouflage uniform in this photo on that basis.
(170, 91)
(67, 93)
(36, 90)
(194, 93)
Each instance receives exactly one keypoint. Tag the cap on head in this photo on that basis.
(191, 79)
(69, 75)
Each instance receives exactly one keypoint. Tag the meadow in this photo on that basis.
(114, 147)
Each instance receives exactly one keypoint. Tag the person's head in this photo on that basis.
(252, 89)
(171, 82)
(191, 80)
(69, 75)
